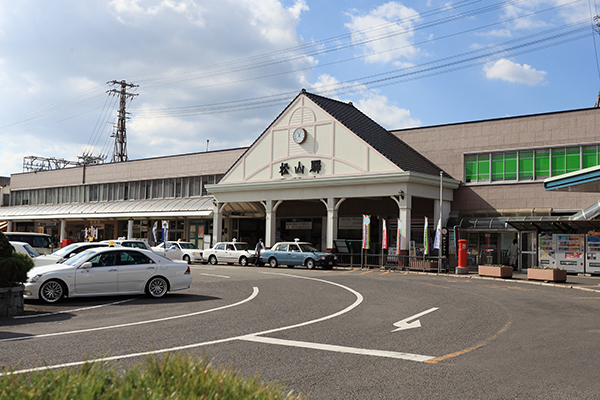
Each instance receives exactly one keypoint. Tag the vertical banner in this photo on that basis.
(154, 229)
(398, 241)
(438, 232)
(425, 238)
(165, 231)
(366, 231)
(384, 238)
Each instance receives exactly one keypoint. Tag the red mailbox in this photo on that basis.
(66, 242)
(462, 253)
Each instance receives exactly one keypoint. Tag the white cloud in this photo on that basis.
(379, 109)
(507, 70)
(380, 22)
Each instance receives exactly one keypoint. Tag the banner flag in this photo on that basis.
(384, 239)
(154, 229)
(438, 233)
(366, 231)
(398, 238)
(425, 238)
(165, 230)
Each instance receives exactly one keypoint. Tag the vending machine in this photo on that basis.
(592, 251)
(546, 250)
(570, 251)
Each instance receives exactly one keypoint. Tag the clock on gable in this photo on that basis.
(299, 135)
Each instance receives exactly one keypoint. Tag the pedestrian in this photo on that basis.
(513, 254)
(260, 246)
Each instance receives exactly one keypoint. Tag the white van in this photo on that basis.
(41, 242)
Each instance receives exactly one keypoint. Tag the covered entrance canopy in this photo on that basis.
(324, 152)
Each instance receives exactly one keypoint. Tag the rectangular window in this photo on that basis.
(573, 159)
(526, 165)
(471, 168)
(157, 189)
(510, 166)
(498, 167)
(589, 156)
(542, 164)
(559, 166)
(483, 168)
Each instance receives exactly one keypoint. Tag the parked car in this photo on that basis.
(41, 242)
(297, 253)
(105, 271)
(24, 248)
(64, 253)
(137, 244)
(229, 252)
(186, 251)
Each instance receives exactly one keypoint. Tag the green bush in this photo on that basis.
(13, 266)
(175, 377)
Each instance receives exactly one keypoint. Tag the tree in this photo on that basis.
(13, 266)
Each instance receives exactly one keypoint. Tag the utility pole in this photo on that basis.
(120, 151)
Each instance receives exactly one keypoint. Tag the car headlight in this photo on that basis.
(196, 253)
(321, 257)
(34, 279)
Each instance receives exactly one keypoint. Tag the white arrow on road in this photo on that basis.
(404, 324)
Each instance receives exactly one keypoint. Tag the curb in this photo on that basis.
(539, 283)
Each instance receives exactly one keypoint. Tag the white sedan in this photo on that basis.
(228, 252)
(107, 271)
(179, 250)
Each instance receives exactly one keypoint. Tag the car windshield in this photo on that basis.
(190, 246)
(242, 246)
(31, 251)
(79, 258)
(65, 250)
(307, 247)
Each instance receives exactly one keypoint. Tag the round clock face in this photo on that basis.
(299, 135)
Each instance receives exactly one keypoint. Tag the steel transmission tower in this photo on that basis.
(120, 152)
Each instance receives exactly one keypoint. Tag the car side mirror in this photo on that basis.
(86, 265)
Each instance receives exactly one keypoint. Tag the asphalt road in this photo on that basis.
(340, 334)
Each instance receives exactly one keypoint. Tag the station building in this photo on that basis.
(319, 167)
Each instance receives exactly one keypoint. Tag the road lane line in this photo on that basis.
(338, 349)
(469, 349)
(217, 276)
(102, 328)
(73, 310)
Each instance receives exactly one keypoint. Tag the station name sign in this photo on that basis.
(300, 169)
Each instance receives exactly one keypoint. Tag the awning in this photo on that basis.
(585, 180)
(163, 208)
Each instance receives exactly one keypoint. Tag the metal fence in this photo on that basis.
(389, 261)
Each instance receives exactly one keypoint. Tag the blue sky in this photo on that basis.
(222, 70)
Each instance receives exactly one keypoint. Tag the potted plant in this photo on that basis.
(495, 271)
(13, 272)
(549, 274)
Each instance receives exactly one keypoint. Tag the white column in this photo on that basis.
(333, 207)
(63, 230)
(270, 221)
(405, 215)
(129, 229)
(9, 226)
(217, 222)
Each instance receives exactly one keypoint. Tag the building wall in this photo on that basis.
(215, 162)
(446, 145)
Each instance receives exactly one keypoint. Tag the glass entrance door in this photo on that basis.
(528, 249)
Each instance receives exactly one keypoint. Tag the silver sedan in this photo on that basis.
(106, 271)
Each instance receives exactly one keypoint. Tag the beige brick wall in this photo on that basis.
(446, 145)
(215, 162)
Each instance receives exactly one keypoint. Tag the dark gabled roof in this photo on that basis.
(389, 145)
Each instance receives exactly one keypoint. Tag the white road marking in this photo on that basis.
(102, 328)
(339, 349)
(251, 337)
(73, 310)
(218, 276)
(404, 324)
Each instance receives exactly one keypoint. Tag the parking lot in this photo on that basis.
(344, 333)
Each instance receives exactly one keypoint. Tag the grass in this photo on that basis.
(176, 377)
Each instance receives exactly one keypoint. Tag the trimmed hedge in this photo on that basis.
(13, 266)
